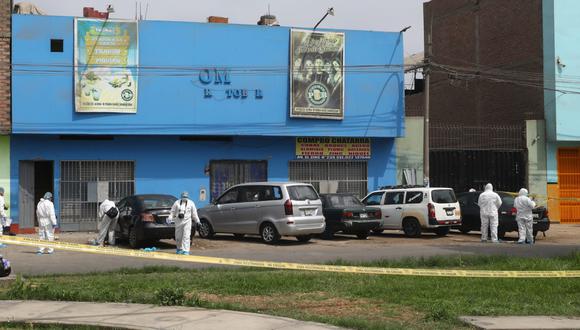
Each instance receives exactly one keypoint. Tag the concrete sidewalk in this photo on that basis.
(522, 322)
(137, 316)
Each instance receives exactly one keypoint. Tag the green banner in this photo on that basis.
(106, 63)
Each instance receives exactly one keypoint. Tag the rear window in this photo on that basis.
(302, 193)
(157, 203)
(443, 196)
(342, 201)
(507, 200)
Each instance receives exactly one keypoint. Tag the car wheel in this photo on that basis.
(411, 228)
(328, 233)
(239, 236)
(269, 233)
(363, 235)
(134, 242)
(205, 229)
(304, 238)
(464, 229)
(442, 231)
(378, 230)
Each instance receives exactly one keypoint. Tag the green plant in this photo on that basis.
(170, 296)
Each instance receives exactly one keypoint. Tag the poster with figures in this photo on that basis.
(317, 74)
(106, 61)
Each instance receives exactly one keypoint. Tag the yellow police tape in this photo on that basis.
(23, 241)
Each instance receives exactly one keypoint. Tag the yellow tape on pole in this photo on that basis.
(22, 241)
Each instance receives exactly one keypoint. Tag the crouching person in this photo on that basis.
(184, 214)
(46, 222)
(108, 215)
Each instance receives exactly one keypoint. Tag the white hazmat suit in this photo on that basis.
(3, 216)
(46, 221)
(183, 213)
(106, 225)
(489, 202)
(524, 217)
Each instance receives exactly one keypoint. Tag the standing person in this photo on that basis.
(183, 213)
(46, 221)
(3, 216)
(489, 202)
(524, 217)
(108, 215)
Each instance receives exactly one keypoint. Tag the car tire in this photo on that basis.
(239, 236)
(411, 228)
(304, 238)
(134, 241)
(363, 235)
(205, 229)
(269, 233)
(464, 229)
(378, 231)
(328, 233)
(442, 231)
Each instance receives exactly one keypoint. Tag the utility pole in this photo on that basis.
(427, 76)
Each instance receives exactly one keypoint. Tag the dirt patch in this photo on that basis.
(320, 304)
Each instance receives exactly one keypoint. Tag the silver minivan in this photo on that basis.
(268, 209)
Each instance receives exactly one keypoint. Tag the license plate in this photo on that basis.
(364, 216)
(169, 221)
(309, 213)
(449, 213)
(536, 216)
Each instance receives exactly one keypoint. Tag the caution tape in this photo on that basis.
(546, 198)
(73, 247)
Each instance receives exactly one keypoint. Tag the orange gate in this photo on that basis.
(569, 182)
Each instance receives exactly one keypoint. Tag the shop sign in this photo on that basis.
(317, 74)
(106, 61)
(333, 148)
(222, 77)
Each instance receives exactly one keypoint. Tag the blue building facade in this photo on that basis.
(212, 110)
(562, 101)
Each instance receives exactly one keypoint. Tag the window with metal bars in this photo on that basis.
(350, 176)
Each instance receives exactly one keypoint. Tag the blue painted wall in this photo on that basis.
(163, 164)
(171, 103)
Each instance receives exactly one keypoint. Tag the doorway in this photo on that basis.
(35, 179)
(227, 173)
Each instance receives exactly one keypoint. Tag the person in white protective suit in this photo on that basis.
(183, 213)
(489, 202)
(3, 216)
(46, 221)
(108, 215)
(524, 217)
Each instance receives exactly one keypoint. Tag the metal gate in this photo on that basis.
(84, 183)
(348, 176)
(465, 169)
(26, 200)
(569, 181)
(227, 173)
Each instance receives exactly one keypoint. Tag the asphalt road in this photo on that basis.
(561, 240)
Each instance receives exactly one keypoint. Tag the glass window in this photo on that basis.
(374, 199)
(302, 193)
(231, 196)
(507, 200)
(393, 198)
(161, 202)
(414, 197)
(343, 201)
(443, 196)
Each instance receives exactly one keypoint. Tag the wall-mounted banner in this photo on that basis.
(333, 148)
(317, 75)
(106, 60)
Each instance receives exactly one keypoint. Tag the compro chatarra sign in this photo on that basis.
(333, 148)
(317, 74)
(106, 61)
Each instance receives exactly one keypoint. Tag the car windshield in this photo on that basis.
(160, 202)
(342, 201)
(302, 193)
(507, 200)
(443, 196)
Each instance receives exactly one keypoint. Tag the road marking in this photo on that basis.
(73, 247)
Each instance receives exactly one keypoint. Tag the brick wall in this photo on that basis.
(5, 67)
(503, 34)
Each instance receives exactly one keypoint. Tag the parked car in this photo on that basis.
(416, 209)
(145, 218)
(507, 214)
(345, 213)
(268, 209)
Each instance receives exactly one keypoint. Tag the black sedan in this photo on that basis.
(144, 218)
(345, 213)
(507, 214)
